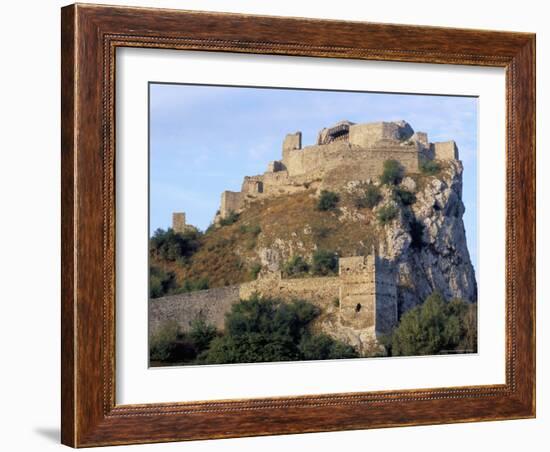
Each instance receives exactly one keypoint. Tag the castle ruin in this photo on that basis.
(358, 306)
(179, 224)
(361, 304)
(346, 151)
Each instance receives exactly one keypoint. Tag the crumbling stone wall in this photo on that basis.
(357, 306)
(344, 152)
(370, 134)
(445, 150)
(178, 222)
(319, 291)
(211, 305)
(232, 201)
(291, 142)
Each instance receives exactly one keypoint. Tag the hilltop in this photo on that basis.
(365, 225)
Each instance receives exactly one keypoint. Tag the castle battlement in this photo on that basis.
(343, 152)
(364, 289)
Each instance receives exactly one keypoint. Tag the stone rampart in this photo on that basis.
(370, 134)
(445, 150)
(357, 306)
(211, 305)
(232, 201)
(319, 291)
(344, 152)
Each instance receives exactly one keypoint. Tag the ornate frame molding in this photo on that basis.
(90, 36)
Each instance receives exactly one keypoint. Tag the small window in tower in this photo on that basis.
(358, 307)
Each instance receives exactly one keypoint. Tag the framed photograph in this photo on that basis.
(282, 225)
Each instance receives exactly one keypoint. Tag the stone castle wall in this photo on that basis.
(319, 291)
(344, 152)
(232, 201)
(211, 304)
(356, 306)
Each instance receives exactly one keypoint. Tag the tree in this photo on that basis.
(370, 198)
(429, 167)
(231, 218)
(324, 262)
(403, 196)
(172, 245)
(201, 334)
(295, 266)
(392, 172)
(387, 213)
(160, 282)
(267, 330)
(321, 346)
(328, 200)
(435, 327)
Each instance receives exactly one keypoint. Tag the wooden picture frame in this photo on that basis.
(90, 36)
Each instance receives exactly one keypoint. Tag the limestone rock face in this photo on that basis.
(428, 246)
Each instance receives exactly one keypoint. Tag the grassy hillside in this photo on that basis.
(269, 232)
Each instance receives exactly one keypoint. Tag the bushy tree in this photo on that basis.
(392, 172)
(172, 245)
(370, 198)
(231, 218)
(321, 346)
(160, 282)
(191, 285)
(429, 167)
(295, 266)
(255, 270)
(328, 200)
(324, 262)
(435, 327)
(163, 343)
(201, 334)
(404, 196)
(387, 213)
(267, 330)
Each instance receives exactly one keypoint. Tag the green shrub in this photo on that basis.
(392, 172)
(160, 282)
(255, 270)
(201, 334)
(268, 330)
(387, 213)
(231, 218)
(328, 200)
(370, 198)
(192, 285)
(436, 327)
(321, 346)
(403, 196)
(253, 229)
(429, 167)
(295, 266)
(172, 245)
(324, 262)
(163, 343)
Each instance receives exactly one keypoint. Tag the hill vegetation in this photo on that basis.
(301, 234)
(256, 330)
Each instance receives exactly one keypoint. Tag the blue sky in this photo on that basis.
(205, 139)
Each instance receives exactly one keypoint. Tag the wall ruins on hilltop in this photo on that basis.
(343, 152)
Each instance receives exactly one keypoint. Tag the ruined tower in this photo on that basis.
(179, 224)
(368, 295)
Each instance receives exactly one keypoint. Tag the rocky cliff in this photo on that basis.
(427, 241)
